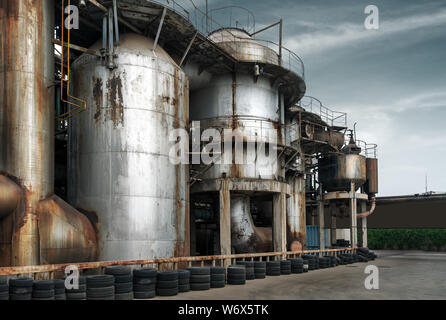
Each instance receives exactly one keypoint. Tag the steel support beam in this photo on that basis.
(320, 214)
(188, 48)
(364, 225)
(353, 212)
(163, 15)
(279, 221)
(225, 220)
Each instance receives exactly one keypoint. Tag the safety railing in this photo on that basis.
(206, 23)
(367, 149)
(48, 271)
(329, 116)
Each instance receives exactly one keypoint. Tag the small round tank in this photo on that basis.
(338, 170)
(119, 167)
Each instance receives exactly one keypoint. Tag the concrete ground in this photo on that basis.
(402, 275)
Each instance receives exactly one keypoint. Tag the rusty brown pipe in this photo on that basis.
(367, 213)
(10, 196)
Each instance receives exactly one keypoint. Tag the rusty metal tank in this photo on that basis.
(371, 185)
(119, 166)
(338, 170)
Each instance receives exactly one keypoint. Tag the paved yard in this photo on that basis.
(402, 275)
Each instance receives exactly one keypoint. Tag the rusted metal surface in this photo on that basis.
(119, 164)
(371, 185)
(66, 235)
(101, 264)
(10, 196)
(337, 170)
(27, 115)
(296, 213)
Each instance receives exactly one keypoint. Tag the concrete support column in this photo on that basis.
(364, 225)
(333, 213)
(225, 221)
(353, 211)
(279, 222)
(320, 213)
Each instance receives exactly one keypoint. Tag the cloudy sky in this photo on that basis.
(391, 81)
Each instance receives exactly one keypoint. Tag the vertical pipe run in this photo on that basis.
(364, 225)
(320, 213)
(353, 211)
(225, 220)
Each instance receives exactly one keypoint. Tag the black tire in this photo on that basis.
(145, 273)
(100, 281)
(236, 282)
(101, 298)
(199, 270)
(82, 281)
(76, 296)
(59, 284)
(285, 272)
(144, 294)
(27, 296)
(167, 292)
(200, 279)
(41, 299)
(43, 285)
(183, 274)
(144, 281)
(218, 284)
(143, 287)
(4, 287)
(183, 288)
(218, 277)
(123, 287)
(20, 290)
(200, 286)
(183, 281)
(248, 264)
(4, 296)
(100, 292)
(124, 278)
(259, 264)
(171, 284)
(218, 270)
(236, 277)
(43, 293)
(272, 264)
(61, 296)
(118, 270)
(297, 270)
(260, 275)
(273, 272)
(250, 276)
(21, 282)
(82, 288)
(259, 270)
(167, 275)
(236, 270)
(124, 296)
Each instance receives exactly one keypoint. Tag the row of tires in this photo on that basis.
(123, 283)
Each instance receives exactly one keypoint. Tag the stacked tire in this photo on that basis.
(331, 260)
(312, 264)
(285, 267)
(20, 289)
(144, 283)
(324, 262)
(4, 289)
(297, 265)
(43, 290)
(249, 268)
(101, 287)
(218, 277)
(200, 278)
(237, 274)
(273, 268)
(305, 265)
(80, 293)
(59, 290)
(167, 283)
(260, 269)
(183, 280)
(123, 281)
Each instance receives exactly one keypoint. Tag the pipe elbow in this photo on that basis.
(367, 213)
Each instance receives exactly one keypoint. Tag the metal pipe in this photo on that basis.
(159, 29)
(188, 48)
(367, 213)
(115, 16)
(10, 196)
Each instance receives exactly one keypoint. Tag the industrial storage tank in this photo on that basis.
(119, 166)
(338, 170)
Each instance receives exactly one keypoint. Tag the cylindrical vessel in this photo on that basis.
(338, 170)
(27, 112)
(371, 185)
(119, 166)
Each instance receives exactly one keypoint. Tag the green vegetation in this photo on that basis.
(404, 239)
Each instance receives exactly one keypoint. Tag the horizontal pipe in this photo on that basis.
(102, 264)
(10, 196)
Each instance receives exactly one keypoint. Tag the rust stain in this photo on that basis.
(115, 99)
(97, 96)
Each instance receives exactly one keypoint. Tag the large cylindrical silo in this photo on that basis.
(119, 165)
(27, 113)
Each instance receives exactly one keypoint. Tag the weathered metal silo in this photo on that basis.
(119, 166)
